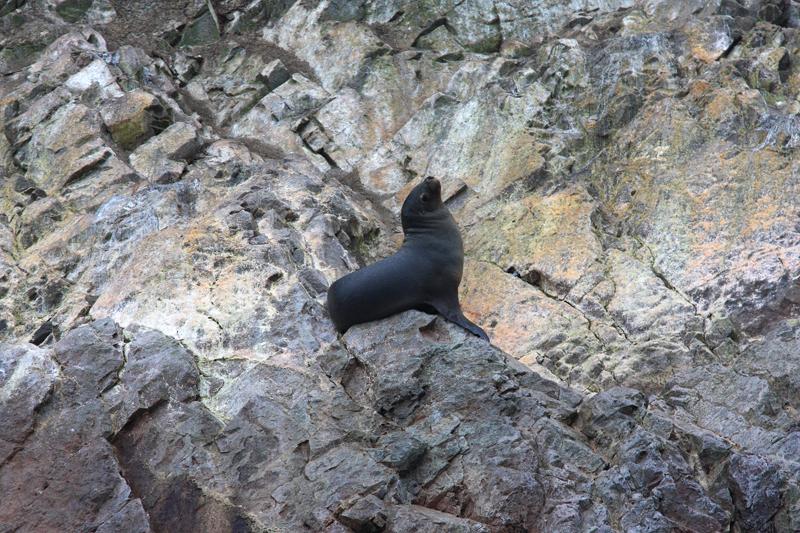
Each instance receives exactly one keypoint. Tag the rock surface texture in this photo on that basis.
(181, 181)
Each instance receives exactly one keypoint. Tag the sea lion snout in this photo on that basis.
(433, 184)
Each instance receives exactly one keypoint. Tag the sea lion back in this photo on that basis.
(373, 292)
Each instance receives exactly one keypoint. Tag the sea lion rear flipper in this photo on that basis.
(473, 328)
(457, 317)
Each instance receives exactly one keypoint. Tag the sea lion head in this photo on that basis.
(423, 200)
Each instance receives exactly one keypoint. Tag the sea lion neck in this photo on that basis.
(429, 232)
(437, 221)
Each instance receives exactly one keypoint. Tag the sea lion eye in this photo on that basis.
(424, 197)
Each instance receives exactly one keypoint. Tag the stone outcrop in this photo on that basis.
(182, 181)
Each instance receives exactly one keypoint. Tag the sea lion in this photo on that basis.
(423, 274)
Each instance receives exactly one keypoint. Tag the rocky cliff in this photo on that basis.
(182, 180)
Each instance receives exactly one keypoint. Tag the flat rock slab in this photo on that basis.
(159, 158)
(130, 118)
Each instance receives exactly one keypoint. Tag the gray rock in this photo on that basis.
(274, 74)
(203, 30)
(278, 114)
(66, 156)
(424, 520)
(130, 118)
(27, 375)
(8, 6)
(610, 414)
(156, 368)
(366, 515)
(67, 463)
(97, 74)
(624, 177)
(39, 218)
(158, 158)
(477, 25)
(755, 486)
(400, 451)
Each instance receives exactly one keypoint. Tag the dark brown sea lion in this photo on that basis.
(423, 274)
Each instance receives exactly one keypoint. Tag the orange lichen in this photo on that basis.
(698, 88)
(720, 106)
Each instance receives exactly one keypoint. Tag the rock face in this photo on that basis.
(182, 181)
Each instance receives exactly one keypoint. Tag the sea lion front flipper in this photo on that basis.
(455, 316)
